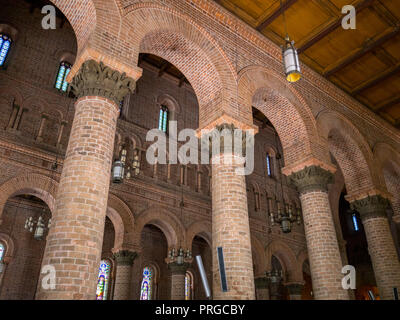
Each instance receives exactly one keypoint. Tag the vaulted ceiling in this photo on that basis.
(364, 62)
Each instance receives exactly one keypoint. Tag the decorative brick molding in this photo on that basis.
(176, 268)
(125, 257)
(312, 178)
(371, 207)
(96, 79)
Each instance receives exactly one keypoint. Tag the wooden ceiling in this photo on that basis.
(364, 62)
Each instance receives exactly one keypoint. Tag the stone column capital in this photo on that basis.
(261, 283)
(176, 268)
(226, 133)
(96, 79)
(371, 207)
(124, 257)
(313, 178)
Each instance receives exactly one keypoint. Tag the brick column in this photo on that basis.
(380, 243)
(123, 275)
(75, 238)
(178, 272)
(230, 225)
(262, 288)
(322, 244)
(295, 290)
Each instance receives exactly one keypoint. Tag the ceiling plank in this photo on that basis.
(362, 51)
(276, 14)
(163, 68)
(337, 23)
(374, 81)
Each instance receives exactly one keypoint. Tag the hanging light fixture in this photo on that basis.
(290, 56)
(118, 168)
(136, 163)
(39, 226)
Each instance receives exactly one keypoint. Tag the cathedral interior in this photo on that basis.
(80, 200)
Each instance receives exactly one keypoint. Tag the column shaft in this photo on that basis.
(123, 275)
(231, 231)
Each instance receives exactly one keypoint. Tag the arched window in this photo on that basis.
(63, 71)
(355, 222)
(103, 280)
(163, 120)
(188, 286)
(5, 45)
(147, 282)
(2, 251)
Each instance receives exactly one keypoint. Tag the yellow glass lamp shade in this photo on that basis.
(291, 62)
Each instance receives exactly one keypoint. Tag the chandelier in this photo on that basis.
(274, 276)
(118, 170)
(37, 227)
(179, 256)
(286, 217)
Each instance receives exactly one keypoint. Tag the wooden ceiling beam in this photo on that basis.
(337, 23)
(362, 51)
(381, 77)
(388, 103)
(276, 14)
(163, 68)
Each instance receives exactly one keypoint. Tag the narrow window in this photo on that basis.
(145, 290)
(2, 250)
(103, 280)
(163, 120)
(5, 44)
(63, 71)
(269, 168)
(355, 222)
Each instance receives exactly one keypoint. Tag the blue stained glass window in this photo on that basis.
(145, 290)
(188, 286)
(103, 280)
(61, 81)
(163, 119)
(2, 250)
(269, 171)
(355, 222)
(5, 44)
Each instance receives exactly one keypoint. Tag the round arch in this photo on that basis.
(9, 246)
(287, 258)
(350, 150)
(286, 109)
(167, 222)
(34, 184)
(259, 258)
(156, 29)
(201, 229)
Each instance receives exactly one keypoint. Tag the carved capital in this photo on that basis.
(96, 79)
(227, 136)
(125, 257)
(312, 178)
(261, 283)
(371, 207)
(176, 268)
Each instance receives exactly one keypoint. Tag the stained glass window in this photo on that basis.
(63, 71)
(5, 44)
(188, 286)
(2, 250)
(269, 170)
(145, 290)
(163, 120)
(355, 222)
(103, 280)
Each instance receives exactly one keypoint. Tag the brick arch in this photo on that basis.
(155, 29)
(123, 220)
(34, 184)
(198, 228)
(302, 257)
(14, 92)
(259, 258)
(167, 222)
(351, 151)
(286, 109)
(81, 14)
(287, 257)
(387, 162)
